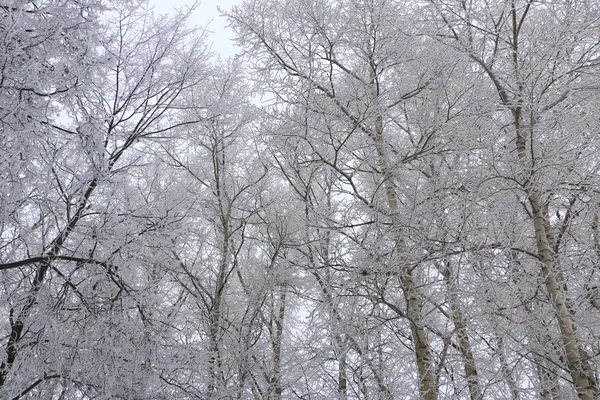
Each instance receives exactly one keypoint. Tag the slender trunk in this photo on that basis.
(338, 341)
(342, 378)
(324, 282)
(215, 314)
(460, 325)
(426, 371)
(224, 207)
(585, 383)
(506, 370)
(583, 377)
(242, 373)
(275, 388)
(213, 337)
(340, 346)
(546, 368)
(428, 387)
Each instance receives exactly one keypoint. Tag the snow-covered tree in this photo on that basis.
(100, 84)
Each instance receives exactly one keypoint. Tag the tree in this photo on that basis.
(358, 90)
(542, 74)
(221, 180)
(404, 127)
(77, 220)
(410, 212)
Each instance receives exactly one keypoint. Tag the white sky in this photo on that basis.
(207, 16)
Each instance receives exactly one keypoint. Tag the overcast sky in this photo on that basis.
(208, 16)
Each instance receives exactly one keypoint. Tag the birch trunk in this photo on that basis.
(583, 377)
(426, 371)
(460, 325)
(275, 388)
(224, 207)
(215, 324)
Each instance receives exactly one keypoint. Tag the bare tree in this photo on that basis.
(540, 74)
(63, 258)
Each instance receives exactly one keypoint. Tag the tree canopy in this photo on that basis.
(375, 199)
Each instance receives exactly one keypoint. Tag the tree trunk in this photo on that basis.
(426, 371)
(464, 343)
(583, 377)
(275, 388)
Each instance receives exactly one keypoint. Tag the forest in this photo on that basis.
(374, 199)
